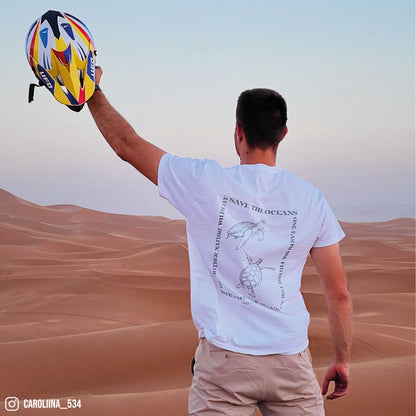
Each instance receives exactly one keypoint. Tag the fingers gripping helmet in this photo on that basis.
(60, 49)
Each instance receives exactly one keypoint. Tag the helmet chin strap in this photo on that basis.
(32, 90)
(76, 108)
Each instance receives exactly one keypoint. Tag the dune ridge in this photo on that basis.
(95, 306)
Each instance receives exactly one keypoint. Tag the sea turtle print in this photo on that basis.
(243, 231)
(251, 276)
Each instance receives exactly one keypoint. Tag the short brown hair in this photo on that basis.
(262, 113)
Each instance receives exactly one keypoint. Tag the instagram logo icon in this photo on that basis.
(11, 404)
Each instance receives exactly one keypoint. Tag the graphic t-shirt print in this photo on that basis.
(243, 231)
(248, 264)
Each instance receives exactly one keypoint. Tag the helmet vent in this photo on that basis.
(44, 36)
(81, 51)
(68, 29)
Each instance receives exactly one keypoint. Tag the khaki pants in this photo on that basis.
(234, 384)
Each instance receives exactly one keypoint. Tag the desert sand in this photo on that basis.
(95, 307)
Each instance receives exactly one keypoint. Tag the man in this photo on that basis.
(250, 229)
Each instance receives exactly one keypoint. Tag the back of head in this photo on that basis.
(262, 113)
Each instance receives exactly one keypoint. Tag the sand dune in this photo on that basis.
(95, 306)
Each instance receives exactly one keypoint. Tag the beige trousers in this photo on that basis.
(234, 384)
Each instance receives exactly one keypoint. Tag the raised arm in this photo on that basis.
(331, 271)
(120, 135)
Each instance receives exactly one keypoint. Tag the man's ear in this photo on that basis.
(239, 131)
(284, 134)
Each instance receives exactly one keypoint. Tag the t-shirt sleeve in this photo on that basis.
(330, 231)
(178, 180)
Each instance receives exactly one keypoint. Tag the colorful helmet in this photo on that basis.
(60, 49)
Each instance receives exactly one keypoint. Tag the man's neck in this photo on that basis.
(258, 156)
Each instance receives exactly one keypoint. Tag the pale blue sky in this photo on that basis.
(174, 69)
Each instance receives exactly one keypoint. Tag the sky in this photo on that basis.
(174, 70)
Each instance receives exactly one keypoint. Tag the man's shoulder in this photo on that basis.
(290, 177)
(186, 160)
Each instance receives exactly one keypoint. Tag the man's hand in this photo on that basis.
(329, 266)
(98, 74)
(340, 374)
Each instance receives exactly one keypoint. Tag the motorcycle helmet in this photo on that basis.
(61, 52)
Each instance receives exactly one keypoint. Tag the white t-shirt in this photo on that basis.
(250, 229)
